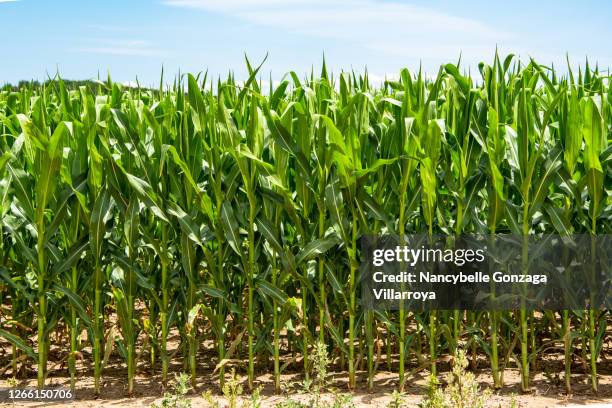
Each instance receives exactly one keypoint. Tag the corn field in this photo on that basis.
(228, 213)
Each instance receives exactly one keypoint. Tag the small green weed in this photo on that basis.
(177, 397)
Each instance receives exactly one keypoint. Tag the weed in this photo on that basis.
(397, 400)
(210, 399)
(177, 398)
(462, 390)
(435, 396)
(232, 390)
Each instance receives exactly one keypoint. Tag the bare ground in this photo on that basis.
(547, 389)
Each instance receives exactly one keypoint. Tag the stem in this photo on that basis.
(164, 306)
(352, 302)
(153, 334)
(251, 273)
(494, 356)
(97, 327)
(305, 325)
(276, 335)
(193, 347)
(402, 317)
(131, 337)
(74, 283)
(73, 333)
(523, 312)
(368, 323)
(532, 332)
(131, 350)
(567, 342)
(432, 341)
(524, 355)
(432, 324)
(321, 265)
(592, 350)
(494, 329)
(42, 307)
(130, 368)
(341, 329)
(458, 229)
(220, 307)
(221, 343)
(583, 346)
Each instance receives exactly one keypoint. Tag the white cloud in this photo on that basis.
(131, 84)
(387, 27)
(241, 5)
(136, 48)
(379, 79)
(8, 1)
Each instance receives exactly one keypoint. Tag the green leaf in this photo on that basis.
(14, 283)
(264, 226)
(540, 192)
(19, 343)
(97, 224)
(429, 193)
(196, 101)
(267, 289)
(317, 247)
(150, 199)
(593, 139)
(213, 292)
(75, 301)
(4, 160)
(186, 222)
(333, 199)
(230, 227)
(558, 220)
(71, 257)
(375, 166)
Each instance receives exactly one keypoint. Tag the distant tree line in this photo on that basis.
(69, 83)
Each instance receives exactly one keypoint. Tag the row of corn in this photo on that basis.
(226, 214)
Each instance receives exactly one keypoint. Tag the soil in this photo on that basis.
(547, 390)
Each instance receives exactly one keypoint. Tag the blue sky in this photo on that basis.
(135, 38)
